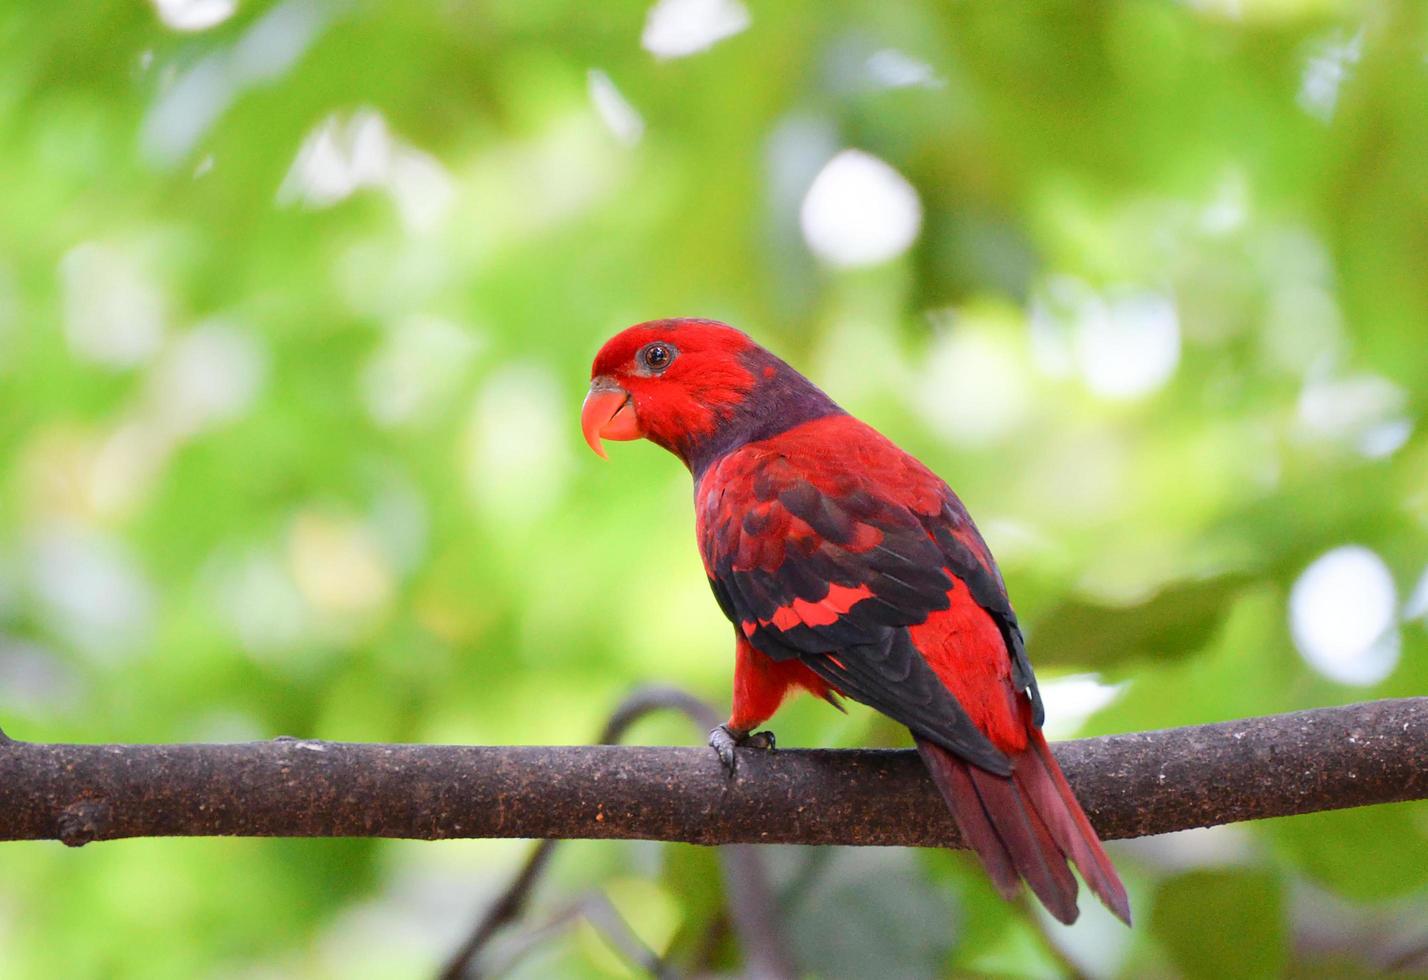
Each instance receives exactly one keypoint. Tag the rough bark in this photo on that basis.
(1131, 786)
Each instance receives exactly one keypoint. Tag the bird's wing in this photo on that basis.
(814, 560)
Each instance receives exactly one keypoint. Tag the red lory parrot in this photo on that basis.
(849, 568)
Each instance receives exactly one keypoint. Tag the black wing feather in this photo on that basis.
(893, 678)
(866, 652)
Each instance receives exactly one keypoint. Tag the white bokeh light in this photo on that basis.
(255, 594)
(419, 367)
(1202, 847)
(185, 110)
(35, 679)
(344, 155)
(859, 211)
(1072, 699)
(275, 41)
(1417, 605)
(973, 389)
(194, 15)
(1325, 72)
(1051, 319)
(620, 118)
(1303, 327)
(517, 454)
(1124, 343)
(113, 313)
(1364, 412)
(400, 521)
(891, 68)
(1229, 205)
(1131, 346)
(796, 149)
(337, 158)
(208, 376)
(678, 28)
(91, 591)
(1341, 614)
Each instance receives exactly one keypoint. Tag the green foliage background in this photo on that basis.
(328, 480)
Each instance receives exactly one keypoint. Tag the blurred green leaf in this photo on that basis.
(694, 874)
(1367, 854)
(873, 912)
(1220, 924)
(1179, 620)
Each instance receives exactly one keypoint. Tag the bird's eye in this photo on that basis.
(656, 357)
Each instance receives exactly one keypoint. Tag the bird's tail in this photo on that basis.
(1027, 826)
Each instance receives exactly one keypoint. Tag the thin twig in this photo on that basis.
(1411, 959)
(752, 909)
(745, 877)
(606, 920)
(596, 909)
(506, 909)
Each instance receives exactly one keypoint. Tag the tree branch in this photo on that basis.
(1131, 786)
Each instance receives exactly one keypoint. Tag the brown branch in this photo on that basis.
(1131, 785)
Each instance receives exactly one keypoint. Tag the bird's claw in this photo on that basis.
(724, 740)
(761, 740)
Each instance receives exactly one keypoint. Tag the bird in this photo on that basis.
(850, 570)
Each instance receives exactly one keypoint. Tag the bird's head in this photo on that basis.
(696, 387)
(670, 381)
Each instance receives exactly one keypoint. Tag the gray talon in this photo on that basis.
(725, 739)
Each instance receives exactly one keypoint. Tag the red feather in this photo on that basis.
(965, 647)
(761, 685)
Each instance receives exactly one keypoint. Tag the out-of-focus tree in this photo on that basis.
(296, 305)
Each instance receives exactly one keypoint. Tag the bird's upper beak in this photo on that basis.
(608, 413)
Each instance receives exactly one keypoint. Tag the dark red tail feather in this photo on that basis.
(1026, 827)
(1078, 840)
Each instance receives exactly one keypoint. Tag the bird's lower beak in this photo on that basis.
(608, 413)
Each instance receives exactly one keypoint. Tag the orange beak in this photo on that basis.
(608, 413)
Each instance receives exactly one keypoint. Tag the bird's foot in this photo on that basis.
(725, 739)
(761, 740)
